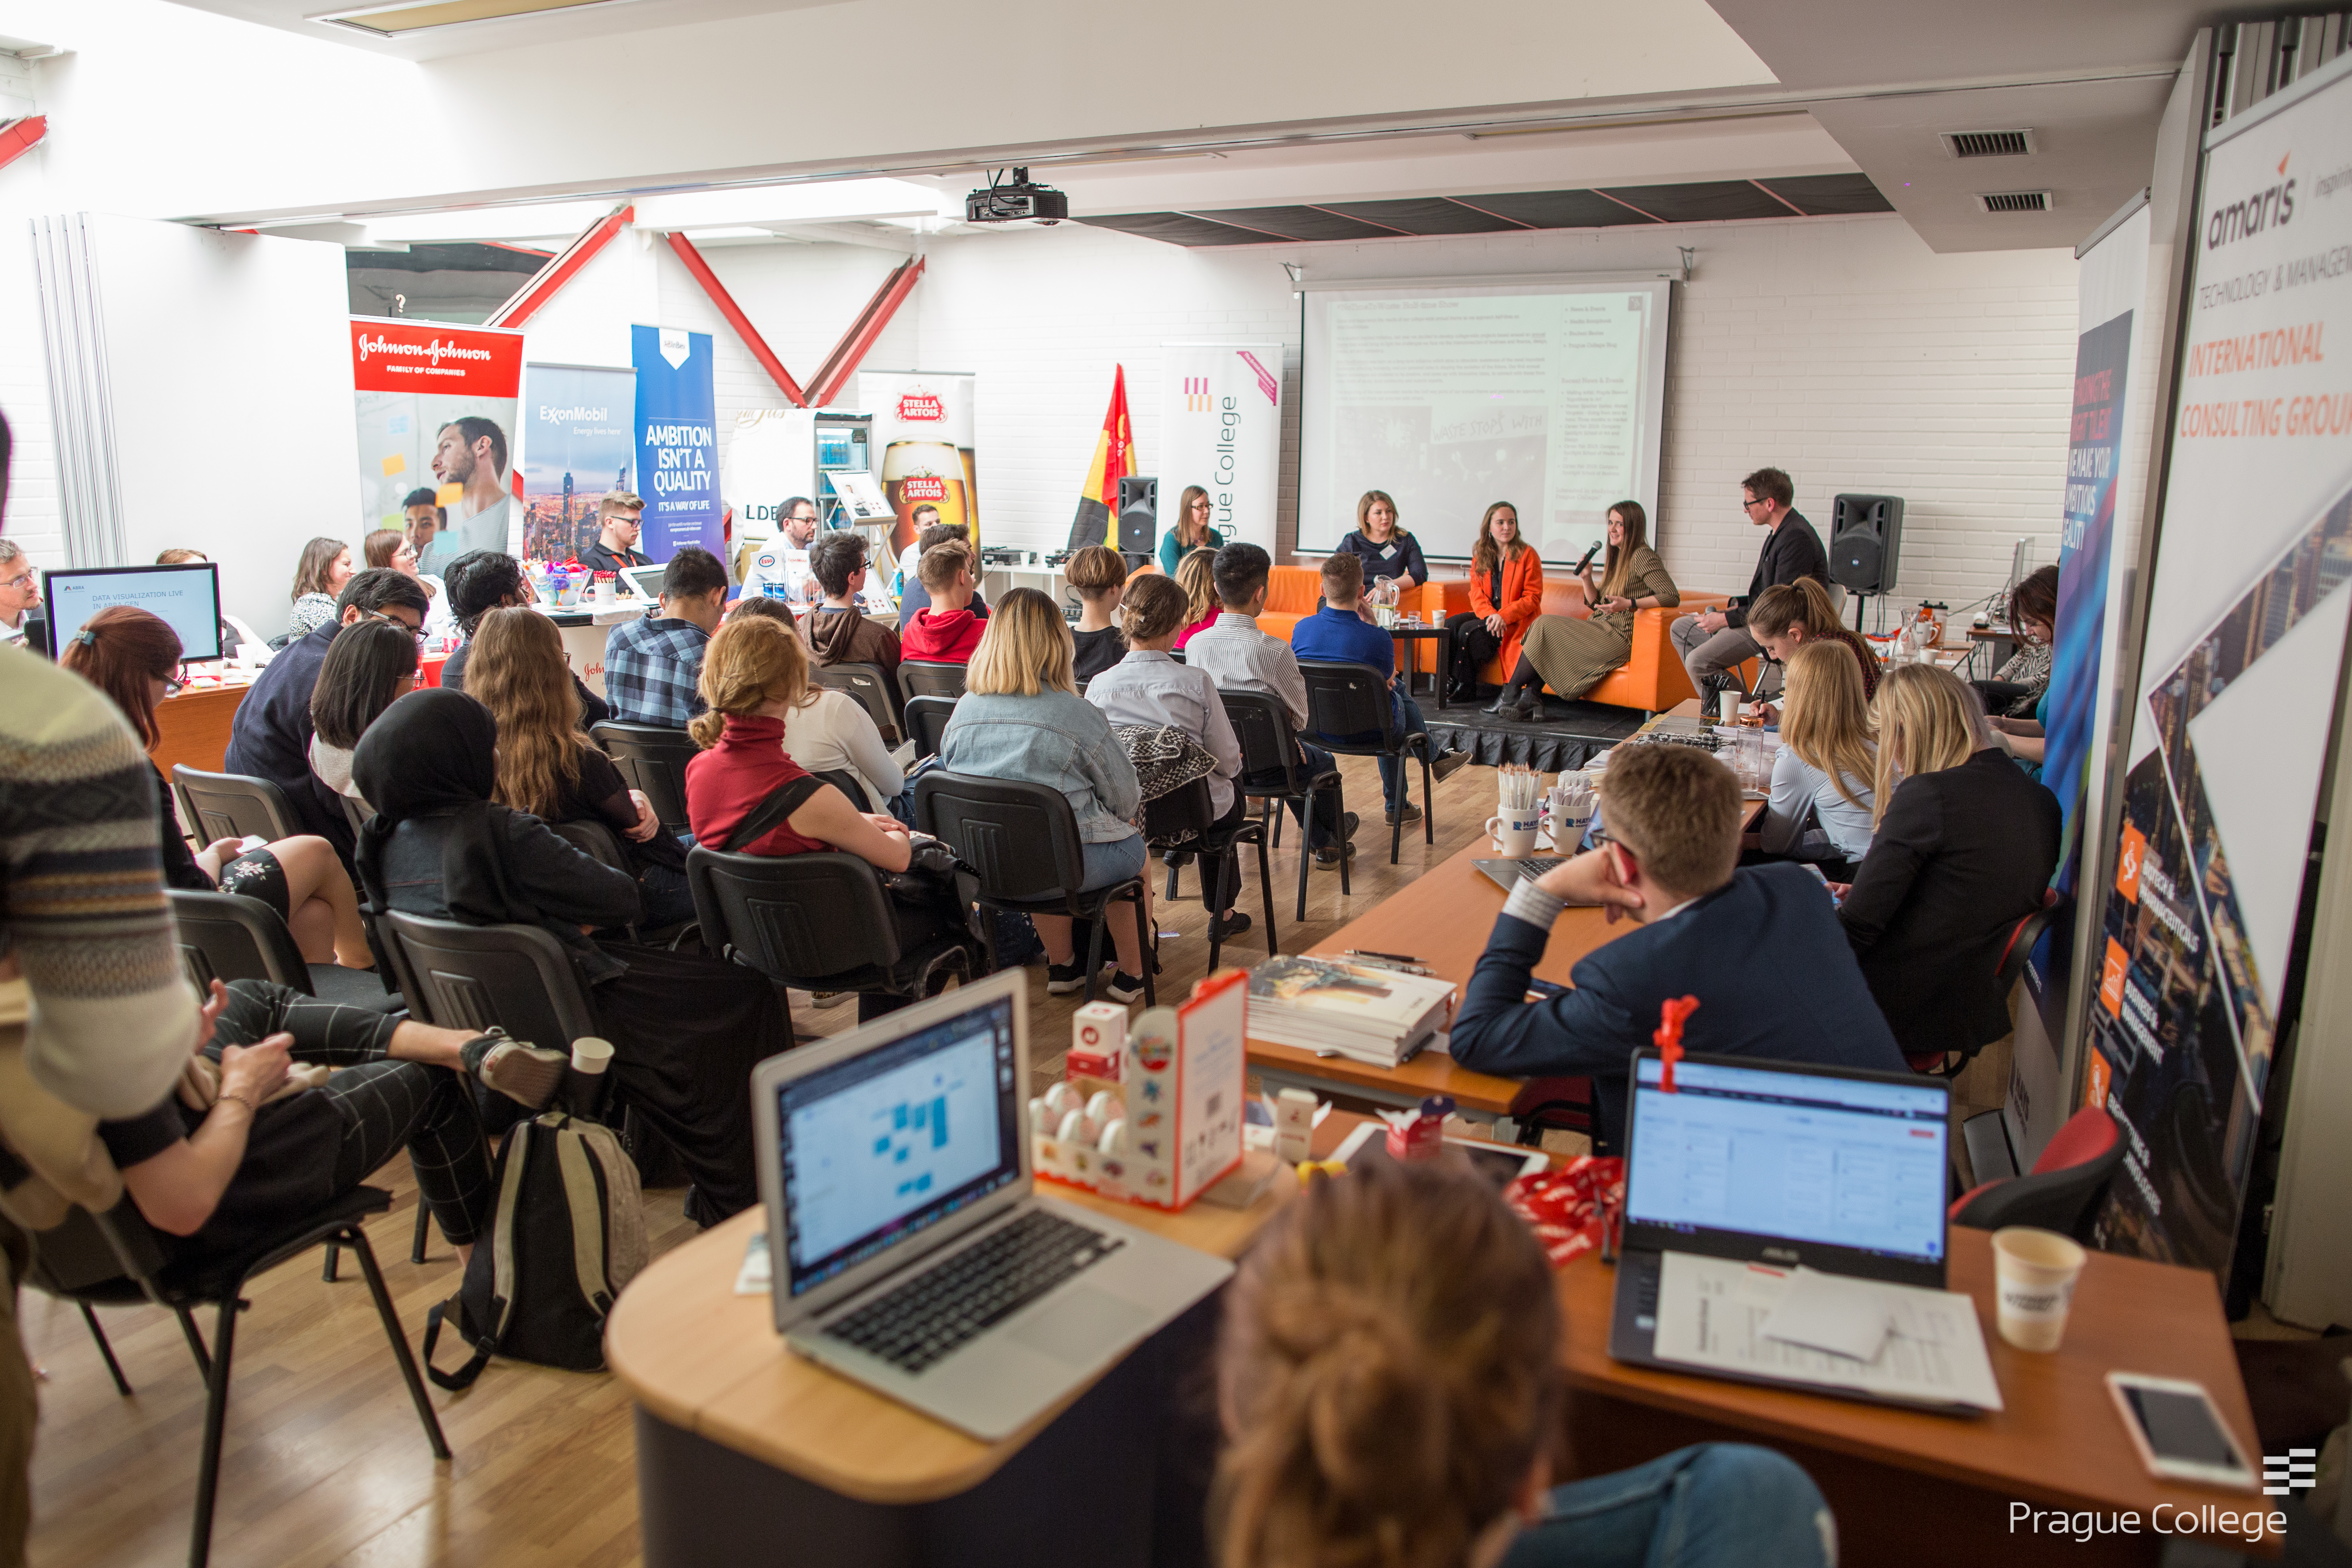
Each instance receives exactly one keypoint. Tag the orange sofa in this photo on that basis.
(1653, 679)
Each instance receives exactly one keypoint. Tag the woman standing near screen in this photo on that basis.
(1381, 542)
(1190, 531)
(1571, 654)
(1505, 597)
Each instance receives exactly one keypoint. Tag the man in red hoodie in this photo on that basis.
(948, 631)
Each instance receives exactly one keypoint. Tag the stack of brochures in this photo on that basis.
(1359, 1010)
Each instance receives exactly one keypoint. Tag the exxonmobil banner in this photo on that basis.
(435, 407)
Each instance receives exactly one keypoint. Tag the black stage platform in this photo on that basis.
(1564, 737)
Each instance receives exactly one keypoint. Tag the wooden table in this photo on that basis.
(193, 727)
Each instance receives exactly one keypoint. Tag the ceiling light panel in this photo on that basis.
(824, 202)
(549, 220)
(391, 21)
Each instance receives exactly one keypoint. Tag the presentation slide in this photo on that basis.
(187, 596)
(1547, 396)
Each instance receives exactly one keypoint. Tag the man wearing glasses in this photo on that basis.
(20, 590)
(780, 568)
(1713, 641)
(615, 550)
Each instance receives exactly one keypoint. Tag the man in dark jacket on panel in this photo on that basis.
(1714, 640)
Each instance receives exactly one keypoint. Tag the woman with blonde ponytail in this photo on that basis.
(1827, 762)
(1389, 1381)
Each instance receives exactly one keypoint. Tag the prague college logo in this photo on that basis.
(1196, 394)
(2296, 1471)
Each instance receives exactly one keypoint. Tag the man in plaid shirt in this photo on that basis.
(651, 664)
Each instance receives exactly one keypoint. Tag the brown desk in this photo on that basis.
(193, 727)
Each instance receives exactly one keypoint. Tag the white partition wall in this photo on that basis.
(223, 361)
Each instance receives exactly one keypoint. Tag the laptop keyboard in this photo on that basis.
(931, 1315)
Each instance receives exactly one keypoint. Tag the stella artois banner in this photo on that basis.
(922, 429)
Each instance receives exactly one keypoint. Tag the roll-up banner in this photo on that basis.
(923, 436)
(676, 442)
(1220, 428)
(577, 444)
(2198, 889)
(435, 406)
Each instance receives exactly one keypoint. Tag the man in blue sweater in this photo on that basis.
(1339, 632)
(1759, 946)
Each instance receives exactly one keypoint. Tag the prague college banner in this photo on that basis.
(923, 430)
(437, 412)
(676, 442)
(2197, 893)
(577, 444)
(1220, 428)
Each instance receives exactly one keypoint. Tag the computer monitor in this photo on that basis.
(187, 596)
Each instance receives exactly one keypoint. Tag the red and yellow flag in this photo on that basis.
(1097, 519)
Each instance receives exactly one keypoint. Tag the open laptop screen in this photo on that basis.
(1740, 1158)
(888, 1142)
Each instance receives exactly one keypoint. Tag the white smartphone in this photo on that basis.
(2177, 1432)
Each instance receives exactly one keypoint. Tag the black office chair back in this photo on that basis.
(794, 917)
(597, 841)
(653, 758)
(924, 677)
(1270, 761)
(846, 783)
(227, 936)
(232, 806)
(469, 977)
(2064, 1200)
(869, 688)
(2023, 938)
(1348, 707)
(1180, 816)
(1021, 839)
(927, 722)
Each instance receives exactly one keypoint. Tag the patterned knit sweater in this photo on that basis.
(113, 1017)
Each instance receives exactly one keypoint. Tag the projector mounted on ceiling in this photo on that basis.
(1021, 201)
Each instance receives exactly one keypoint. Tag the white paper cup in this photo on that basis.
(591, 1055)
(2033, 1284)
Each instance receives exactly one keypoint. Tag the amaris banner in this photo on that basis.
(676, 442)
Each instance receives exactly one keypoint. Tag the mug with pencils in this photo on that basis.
(1519, 811)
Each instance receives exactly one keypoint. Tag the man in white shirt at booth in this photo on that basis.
(780, 568)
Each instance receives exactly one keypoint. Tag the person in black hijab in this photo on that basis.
(687, 1028)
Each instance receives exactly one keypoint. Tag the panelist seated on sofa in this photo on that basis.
(1759, 946)
(1572, 655)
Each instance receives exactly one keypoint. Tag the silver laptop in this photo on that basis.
(907, 1249)
(647, 580)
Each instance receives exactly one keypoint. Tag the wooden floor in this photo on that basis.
(325, 1462)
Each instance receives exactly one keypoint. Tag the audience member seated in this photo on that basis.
(1191, 531)
(946, 631)
(652, 663)
(832, 730)
(1505, 597)
(1820, 808)
(1197, 575)
(244, 1147)
(134, 656)
(270, 738)
(233, 633)
(913, 597)
(2017, 687)
(20, 590)
(368, 668)
(687, 1028)
(621, 520)
(1238, 657)
(421, 518)
(1714, 640)
(1382, 543)
(836, 631)
(1392, 1392)
(1965, 847)
(1571, 655)
(481, 581)
(548, 767)
(1758, 945)
(390, 547)
(1021, 717)
(1098, 577)
(1146, 686)
(318, 578)
(756, 687)
(1786, 618)
(1339, 633)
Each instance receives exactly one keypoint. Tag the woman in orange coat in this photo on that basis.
(1505, 597)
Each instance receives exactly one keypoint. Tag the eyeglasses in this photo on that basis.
(177, 681)
(1752, 505)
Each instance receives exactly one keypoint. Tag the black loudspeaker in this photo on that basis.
(1865, 539)
(1138, 513)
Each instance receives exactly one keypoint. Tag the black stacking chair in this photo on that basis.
(1349, 711)
(653, 758)
(1181, 821)
(113, 1261)
(927, 722)
(232, 806)
(821, 921)
(925, 678)
(1273, 772)
(846, 783)
(1022, 840)
(356, 813)
(871, 689)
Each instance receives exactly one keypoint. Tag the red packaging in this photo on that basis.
(1568, 1207)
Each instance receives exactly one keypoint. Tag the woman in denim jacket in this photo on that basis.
(1021, 717)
